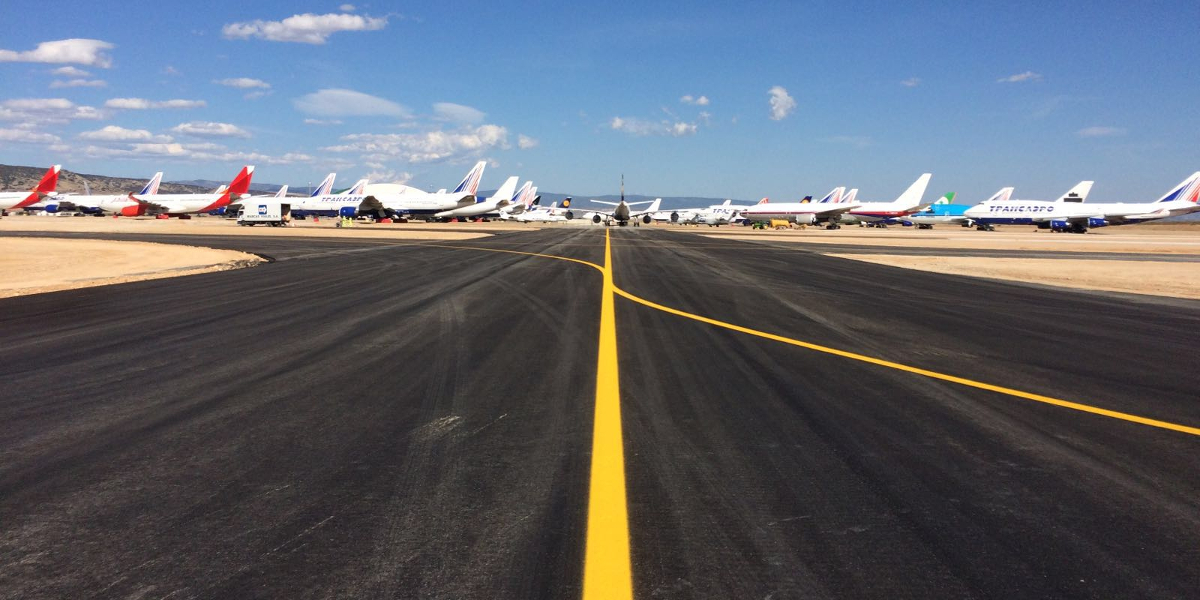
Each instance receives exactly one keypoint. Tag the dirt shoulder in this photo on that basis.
(1174, 279)
(37, 265)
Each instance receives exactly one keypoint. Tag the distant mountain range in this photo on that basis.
(15, 178)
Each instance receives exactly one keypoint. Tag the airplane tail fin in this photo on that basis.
(727, 202)
(356, 189)
(1002, 195)
(326, 186)
(505, 193)
(764, 201)
(282, 193)
(834, 196)
(850, 196)
(49, 181)
(523, 195)
(470, 183)
(806, 200)
(654, 205)
(566, 202)
(912, 196)
(240, 184)
(152, 185)
(1188, 189)
(1078, 193)
(947, 199)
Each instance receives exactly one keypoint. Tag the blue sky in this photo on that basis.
(677, 96)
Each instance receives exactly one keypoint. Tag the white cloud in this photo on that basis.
(70, 72)
(244, 83)
(76, 51)
(1019, 77)
(322, 122)
(306, 28)
(170, 70)
(641, 127)
(143, 104)
(71, 83)
(428, 146)
(705, 117)
(348, 103)
(457, 113)
(1099, 131)
(382, 174)
(346, 8)
(113, 133)
(782, 104)
(911, 82)
(46, 110)
(25, 136)
(210, 129)
(696, 101)
(525, 142)
(203, 152)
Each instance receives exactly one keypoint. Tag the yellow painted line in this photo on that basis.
(919, 371)
(606, 570)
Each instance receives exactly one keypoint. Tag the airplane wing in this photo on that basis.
(603, 202)
(150, 204)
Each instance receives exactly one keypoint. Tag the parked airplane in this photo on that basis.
(325, 188)
(546, 214)
(524, 200)
(716, 215)
(344, 204)
(184, 204)
(484, 205)
(44, 188)
(1026, 212)
(945, 211)
(879, 213)
(804, 212)
(92, 204)
(399, 200)
(1078, 217)
(622, 212)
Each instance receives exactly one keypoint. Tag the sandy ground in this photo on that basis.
(1179, 280)
(220, 226)
(1150, 239)
(33, 265)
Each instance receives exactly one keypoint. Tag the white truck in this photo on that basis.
(266, 212)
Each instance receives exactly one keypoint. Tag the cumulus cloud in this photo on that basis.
(25, 136)
(348, 103)
(113, 133)
(911, 82)
(448, 111)
(642, 127)
(245, 83)
(782, 104)
(71, 83)
(75, 51)
(1019, 77)
(306, 28)
(143, 104)
(1099, 131)
(210, 129)
(46, 110)
(425, 147)
(525, 142)
(70, 72)
(695, 101)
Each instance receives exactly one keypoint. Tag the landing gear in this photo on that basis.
(985, 227)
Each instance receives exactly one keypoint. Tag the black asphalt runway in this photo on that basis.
(389, 419)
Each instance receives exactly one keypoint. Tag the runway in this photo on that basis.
(369, 418)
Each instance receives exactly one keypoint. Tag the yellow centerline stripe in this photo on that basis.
(919, 371)
(606, 567)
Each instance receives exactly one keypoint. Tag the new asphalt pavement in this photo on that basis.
(395, 419)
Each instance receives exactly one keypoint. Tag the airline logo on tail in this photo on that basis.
(240, 185)
(356, 189)
(44, 187)
(470, 183)
(850, 196)
(1187, 191)
(326, 186)
(1001, 196)
(834, 196)
(764, 201)
(152, 185)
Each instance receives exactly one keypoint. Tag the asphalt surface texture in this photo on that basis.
(392, 419)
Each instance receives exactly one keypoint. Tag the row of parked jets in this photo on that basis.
(1069, 212)
(378, 201)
